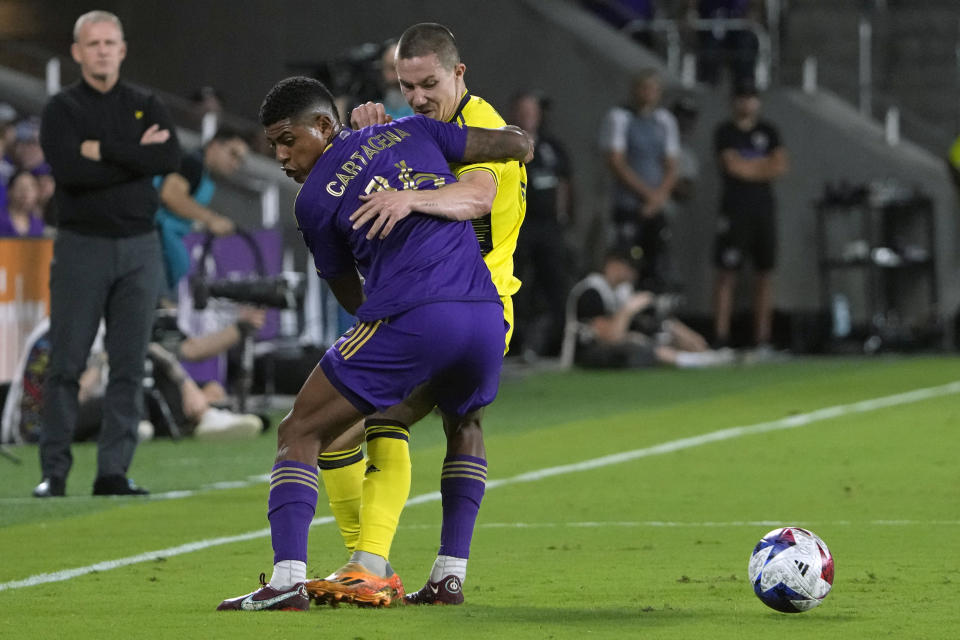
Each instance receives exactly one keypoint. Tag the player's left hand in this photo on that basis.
(368, 114)
(383, 209)
(529, 140)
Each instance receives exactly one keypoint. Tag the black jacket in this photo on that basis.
(114, 197)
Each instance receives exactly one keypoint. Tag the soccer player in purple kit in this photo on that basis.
(428, 313)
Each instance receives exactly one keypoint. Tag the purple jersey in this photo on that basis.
(424, 259)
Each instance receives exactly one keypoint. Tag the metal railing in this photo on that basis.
(672, 31)
(898, 122)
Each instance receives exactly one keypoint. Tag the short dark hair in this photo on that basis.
(292, 97)
(429, 38)
(227, 133)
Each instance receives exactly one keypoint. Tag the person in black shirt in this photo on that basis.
(104, 140)
(542, 258)
(751, 156)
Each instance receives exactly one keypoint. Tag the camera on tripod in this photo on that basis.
(284, 291)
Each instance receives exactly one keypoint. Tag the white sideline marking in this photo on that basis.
(789, 422)
(167, 495)
(696, 525)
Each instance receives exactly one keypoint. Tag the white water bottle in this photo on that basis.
(841, 316)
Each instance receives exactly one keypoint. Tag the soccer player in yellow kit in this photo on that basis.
(367, 499)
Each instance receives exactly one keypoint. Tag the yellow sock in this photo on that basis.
(342, 473)
(386, 484)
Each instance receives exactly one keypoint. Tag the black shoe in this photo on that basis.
(117, 486)
(51, 488)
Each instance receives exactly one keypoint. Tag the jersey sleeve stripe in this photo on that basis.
(470, 168)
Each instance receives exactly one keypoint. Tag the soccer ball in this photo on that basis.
(791, 570)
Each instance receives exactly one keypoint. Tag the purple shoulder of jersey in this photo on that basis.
(424, 259)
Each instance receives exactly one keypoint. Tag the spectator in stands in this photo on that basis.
(736, 47)
(543, 259)
(617, 326)
(22, 217)
(185, 197)
(8, 134)
(641, 144)
(393, 101)
(206, 107)
(46, 202)
(751, 156)
(27, 153)
(205, 100)
(105, 140)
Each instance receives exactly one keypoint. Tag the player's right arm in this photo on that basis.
(470, 198)
(330, 250)
(507, 143)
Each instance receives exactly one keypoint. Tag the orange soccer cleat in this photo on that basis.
(352, 583)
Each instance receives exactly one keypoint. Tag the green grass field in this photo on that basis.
(652, 545)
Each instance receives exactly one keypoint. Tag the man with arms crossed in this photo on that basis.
(427, 310)
(105, 140)
(431, 78)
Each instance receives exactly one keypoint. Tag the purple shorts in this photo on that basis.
(457, 346)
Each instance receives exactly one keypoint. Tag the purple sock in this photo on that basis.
(461, 486)
(292, 504)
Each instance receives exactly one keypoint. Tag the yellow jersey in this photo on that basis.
(498, 230)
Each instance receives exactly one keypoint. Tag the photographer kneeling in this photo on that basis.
(168, 335)
(177, 406)
(618, 327)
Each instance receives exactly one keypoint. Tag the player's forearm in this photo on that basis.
(458, 201)
(485, 145)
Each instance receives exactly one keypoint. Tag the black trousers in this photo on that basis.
(118, 280)
(652, 237)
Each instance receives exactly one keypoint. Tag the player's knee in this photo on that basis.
(291, 431)
(463, 429)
